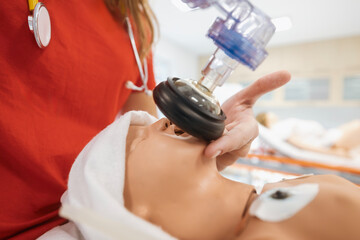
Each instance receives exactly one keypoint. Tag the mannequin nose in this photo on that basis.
(161, 125)
(171, 128)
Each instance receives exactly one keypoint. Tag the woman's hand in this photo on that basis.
(240, 126)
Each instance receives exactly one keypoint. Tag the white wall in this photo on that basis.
(172, 60)
(333, 59)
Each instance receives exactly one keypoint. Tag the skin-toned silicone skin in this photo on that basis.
(334, 214)
(170, 183)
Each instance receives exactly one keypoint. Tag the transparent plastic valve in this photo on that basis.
(241, 37)
(218, 69)
(199, 3)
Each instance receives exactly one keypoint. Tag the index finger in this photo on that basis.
(263, 85)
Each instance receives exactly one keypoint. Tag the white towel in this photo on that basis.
(94, 199)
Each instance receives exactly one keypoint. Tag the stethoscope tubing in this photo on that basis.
(143, 71)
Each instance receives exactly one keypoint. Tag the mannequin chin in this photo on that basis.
(170, 183)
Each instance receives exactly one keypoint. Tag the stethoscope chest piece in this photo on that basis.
(40, 25)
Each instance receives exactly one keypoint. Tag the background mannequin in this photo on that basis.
(310, 135)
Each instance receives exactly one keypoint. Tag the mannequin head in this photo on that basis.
(267, 119)
(170, 183)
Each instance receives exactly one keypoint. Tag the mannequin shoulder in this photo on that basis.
(331, 180)
(331, 213)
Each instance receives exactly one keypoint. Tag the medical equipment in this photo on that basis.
(241, 37)
(143, 71)
(39, 23)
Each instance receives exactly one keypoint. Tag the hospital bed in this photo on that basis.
(288, 150)
(289, 161)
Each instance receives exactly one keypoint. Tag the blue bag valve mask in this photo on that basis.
(241, 36)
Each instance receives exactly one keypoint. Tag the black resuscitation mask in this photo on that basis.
(190, 108)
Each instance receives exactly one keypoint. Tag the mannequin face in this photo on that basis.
(171, 184)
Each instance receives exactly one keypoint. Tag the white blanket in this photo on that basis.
(94, 201)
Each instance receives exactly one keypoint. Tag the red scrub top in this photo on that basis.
(52, 102)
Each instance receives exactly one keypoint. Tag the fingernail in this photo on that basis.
(216, 154)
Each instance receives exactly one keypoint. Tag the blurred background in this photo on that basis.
(318, 42)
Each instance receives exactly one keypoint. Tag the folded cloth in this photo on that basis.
(94, 201)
